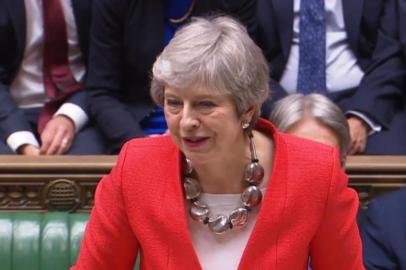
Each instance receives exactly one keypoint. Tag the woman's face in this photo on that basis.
(310, 128)
(205, 125)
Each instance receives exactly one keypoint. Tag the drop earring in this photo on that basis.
(245, 124)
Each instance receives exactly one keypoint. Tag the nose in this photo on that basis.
(190, 119)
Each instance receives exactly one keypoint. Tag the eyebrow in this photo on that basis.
(200, 96)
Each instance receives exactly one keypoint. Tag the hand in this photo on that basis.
(28, 150)
(57, 136)
(359, 135)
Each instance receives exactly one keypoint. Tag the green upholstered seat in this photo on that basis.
(40, 241)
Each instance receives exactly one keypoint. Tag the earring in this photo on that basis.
(245, 124)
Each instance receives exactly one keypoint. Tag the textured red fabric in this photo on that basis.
(307, 211)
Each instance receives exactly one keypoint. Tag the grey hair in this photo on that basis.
(218, 54)
(291, 109)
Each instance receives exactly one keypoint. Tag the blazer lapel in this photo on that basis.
(402, 24)
(266, 230)
(352, 17)
(283, 11)
(17, 12)
(82, 14)
(175, 208)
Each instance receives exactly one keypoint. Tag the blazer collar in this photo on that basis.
(283, 11)
(267, 224)
(176, 209)
(82, 10)
(352, 17)
(18, 16)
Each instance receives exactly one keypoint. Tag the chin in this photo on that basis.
(198, 157)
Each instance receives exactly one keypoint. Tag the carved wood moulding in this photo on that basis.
(68, 183)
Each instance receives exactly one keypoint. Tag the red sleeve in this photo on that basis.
(337, 243)
(109, 243)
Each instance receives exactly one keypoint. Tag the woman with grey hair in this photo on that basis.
(313, 117)
(225, 189)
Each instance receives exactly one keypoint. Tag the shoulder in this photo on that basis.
(147, 157)
(389, 207)
(298, 154)
(384, 227)
(146, 153)
(150, 146)
(312, 170)
(307, 152)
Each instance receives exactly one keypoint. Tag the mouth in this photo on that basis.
(195, 142)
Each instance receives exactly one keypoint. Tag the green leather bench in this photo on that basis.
(40, 241)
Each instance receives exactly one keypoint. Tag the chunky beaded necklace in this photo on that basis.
(250, 197)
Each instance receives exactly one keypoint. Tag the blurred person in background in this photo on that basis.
(341, 49)
(126, 38)
(43, 54)
(313, 117)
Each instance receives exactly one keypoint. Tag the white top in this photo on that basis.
(27, 89)
(221, 251)
(342, 70)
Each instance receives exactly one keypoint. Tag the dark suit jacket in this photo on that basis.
(126, 37)
(12, 45)
(402, 24)
(382, 92)
(275, 30)
(383, 89)
(384, 233)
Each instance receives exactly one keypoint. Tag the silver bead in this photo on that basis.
(199, 211)
(251, 196)
(189, 167)
(254, 173)
(239, 217)
(219, 224)
(192, 188)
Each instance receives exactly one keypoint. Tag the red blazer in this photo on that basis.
(307, 211)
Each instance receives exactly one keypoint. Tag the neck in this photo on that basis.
(225, 174)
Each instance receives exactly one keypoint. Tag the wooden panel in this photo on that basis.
(373, 176)
(68, 182)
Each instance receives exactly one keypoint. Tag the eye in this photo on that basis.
(171, 102)
(207, 104)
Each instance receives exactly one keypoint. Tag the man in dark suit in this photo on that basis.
(352, 30)
(39, 112)
(382, 93)
(126, 38)
(384, 233)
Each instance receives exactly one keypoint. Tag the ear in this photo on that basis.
(249, 113)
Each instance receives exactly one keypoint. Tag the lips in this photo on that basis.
(195, 142)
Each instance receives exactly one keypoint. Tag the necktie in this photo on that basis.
(312, 47)
(59, 82)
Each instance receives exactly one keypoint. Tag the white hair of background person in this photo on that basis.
(295, 107)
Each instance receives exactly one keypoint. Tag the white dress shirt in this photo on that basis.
(342, 69)
(28, 89)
